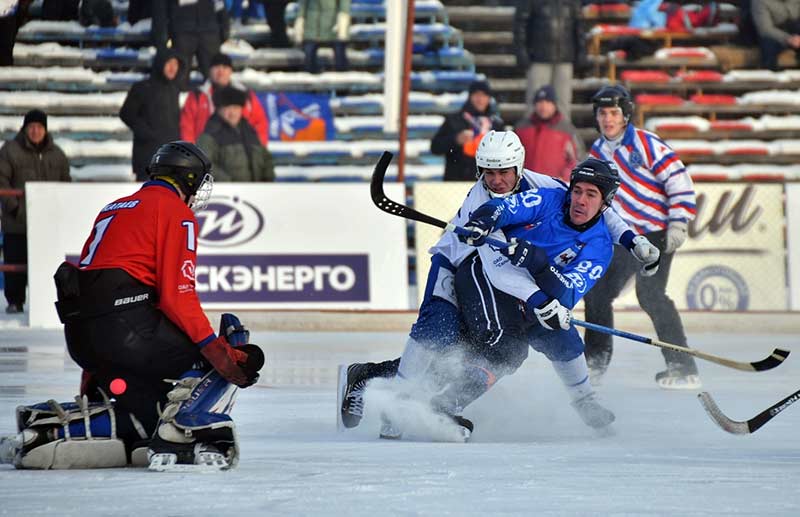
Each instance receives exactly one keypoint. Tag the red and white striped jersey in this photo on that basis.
(656, 188)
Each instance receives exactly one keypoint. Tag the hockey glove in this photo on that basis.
(231, 327)
(481, 223)
(677, 231)
(646, 253)
(524, 254)
(553, 316)
(235, 364)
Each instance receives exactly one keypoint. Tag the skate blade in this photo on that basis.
(341, 384)
(688, 383)
(205, 462)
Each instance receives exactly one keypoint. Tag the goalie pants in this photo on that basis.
(139, 345)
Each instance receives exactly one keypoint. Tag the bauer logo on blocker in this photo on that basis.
(229, 221)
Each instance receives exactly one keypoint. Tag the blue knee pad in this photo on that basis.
(438, 323)
(556, 345)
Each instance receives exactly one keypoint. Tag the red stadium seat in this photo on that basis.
(731, 125)
(659, 99)
(717, 100)
(645, 76)
(700, 76)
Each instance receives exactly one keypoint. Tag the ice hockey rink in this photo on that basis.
(530, 454)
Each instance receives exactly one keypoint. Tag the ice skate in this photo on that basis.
(351, 385)
(592, 413)
(679, 377)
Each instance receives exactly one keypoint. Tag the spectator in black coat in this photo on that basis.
(460, 133)
(196, 28)
(13, 15)
(548, 38)
(152, 110)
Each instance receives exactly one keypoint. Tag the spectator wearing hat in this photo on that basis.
(459, 135)
(548, 37)
(151, 109)
(550, 140)
(196, 28)
(199, 105)
(30, 156)
(231, 142)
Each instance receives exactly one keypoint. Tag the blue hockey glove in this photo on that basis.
(481, 222)
(233, 330)
(524, 254)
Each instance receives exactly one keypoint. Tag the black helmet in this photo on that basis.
(183, 162)
(611, 96)
(600, 173)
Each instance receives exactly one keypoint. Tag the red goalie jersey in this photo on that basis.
(152, 235)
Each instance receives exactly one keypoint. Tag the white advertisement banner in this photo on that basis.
(793, 241)
(270, 246)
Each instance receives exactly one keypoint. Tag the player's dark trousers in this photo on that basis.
(495, 322)
(653, 299)
(15, 251)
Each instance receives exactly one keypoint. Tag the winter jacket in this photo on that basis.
(236, 152)
(320, 18)
(199, 106)
(152, 111)
(20, 162)
(171, 17)
(773, 17)
(547, 31)
(460, 160)
(551, 146)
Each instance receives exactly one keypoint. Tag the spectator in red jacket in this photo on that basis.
(551, 141)
(199, 105)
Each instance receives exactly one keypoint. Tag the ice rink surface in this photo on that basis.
(530, 453)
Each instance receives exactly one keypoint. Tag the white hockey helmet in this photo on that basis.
(500, 150)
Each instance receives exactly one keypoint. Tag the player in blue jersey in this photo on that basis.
(560, 246)
(657, 199)
(500, 157)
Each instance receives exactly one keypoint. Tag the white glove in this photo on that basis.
(299, 27)
(646, 253)
(552, 315)
(342, 26)
(677, 231)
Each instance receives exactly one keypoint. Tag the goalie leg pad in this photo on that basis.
(70, 435)
(195, 427)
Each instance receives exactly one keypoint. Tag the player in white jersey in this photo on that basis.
(656, 199)
(438, 320)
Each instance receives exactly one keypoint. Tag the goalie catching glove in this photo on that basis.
(238, 365)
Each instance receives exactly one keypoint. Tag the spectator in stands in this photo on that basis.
(275, 10)
(548, 38)
(231, 142)
(13, 15)
(97, 12)
(777, 25)
(139, 10)
(196, 28)
(551, 142)
(246, 15)
(60, 10)
(461, 132)
(30, 156)
(152, 110)
(199, 105)
(656, 199)
(323, 22)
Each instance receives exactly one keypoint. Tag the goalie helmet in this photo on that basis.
(500, 150)
(613, 96)
(186, 166)
(600, 173)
